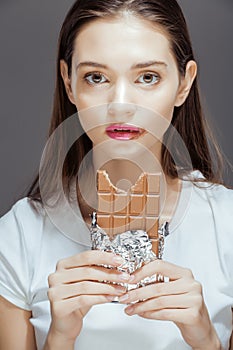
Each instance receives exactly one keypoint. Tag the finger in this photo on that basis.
(184, 316)
(155, 290)
(88, 274)
(91, 257)
(84, 288)
(164, 268)
(66, 307)
(182, 301)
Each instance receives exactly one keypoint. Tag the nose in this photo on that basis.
(120, 102)
(121, 110)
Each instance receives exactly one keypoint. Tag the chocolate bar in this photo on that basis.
(136, 209)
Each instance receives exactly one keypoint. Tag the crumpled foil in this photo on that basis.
(133, 246)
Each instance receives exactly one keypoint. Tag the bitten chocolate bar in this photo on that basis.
(135, 209)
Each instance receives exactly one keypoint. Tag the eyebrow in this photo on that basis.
(135, 66)
(148, 64)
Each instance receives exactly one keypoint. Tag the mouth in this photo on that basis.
(124, 132)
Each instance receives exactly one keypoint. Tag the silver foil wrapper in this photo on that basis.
(133, 246)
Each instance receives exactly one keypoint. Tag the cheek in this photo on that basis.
(92, 119)
(164, 103)
(167, 112)
(82, 101)
(86, 96)
(96, 135)
(86, 100)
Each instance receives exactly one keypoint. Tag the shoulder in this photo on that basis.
(22, 217)
(21, 229)
(213, 204)
(215, 195)
(210, 207)
(24, 208)
(208, 220)
(20, 235)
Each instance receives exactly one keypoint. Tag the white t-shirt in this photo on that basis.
(201, 238)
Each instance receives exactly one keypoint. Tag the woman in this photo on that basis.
(128, 68)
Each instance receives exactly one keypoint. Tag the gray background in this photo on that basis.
(28, 36)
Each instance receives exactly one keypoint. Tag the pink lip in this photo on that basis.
(123, 132)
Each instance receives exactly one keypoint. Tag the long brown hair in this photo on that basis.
(188, 119)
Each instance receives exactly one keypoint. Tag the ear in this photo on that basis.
(186, 83)
(66, 80)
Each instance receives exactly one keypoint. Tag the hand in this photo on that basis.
(180, 300)
(75, 287)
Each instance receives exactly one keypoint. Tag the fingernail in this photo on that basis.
(129, 310)
(118, 260)
(120, 289)
(124, 297)
(125, 277)
(111, 297)
(131, 279)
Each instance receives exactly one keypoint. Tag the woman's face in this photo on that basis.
(123, 72)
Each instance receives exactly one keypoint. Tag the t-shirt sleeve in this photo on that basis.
(222, 206)
(15, 256)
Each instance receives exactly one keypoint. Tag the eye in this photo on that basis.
(149, 78)
(95, 78)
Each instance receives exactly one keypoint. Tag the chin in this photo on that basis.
(126, 149)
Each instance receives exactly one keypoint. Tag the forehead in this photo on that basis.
(120, 40)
